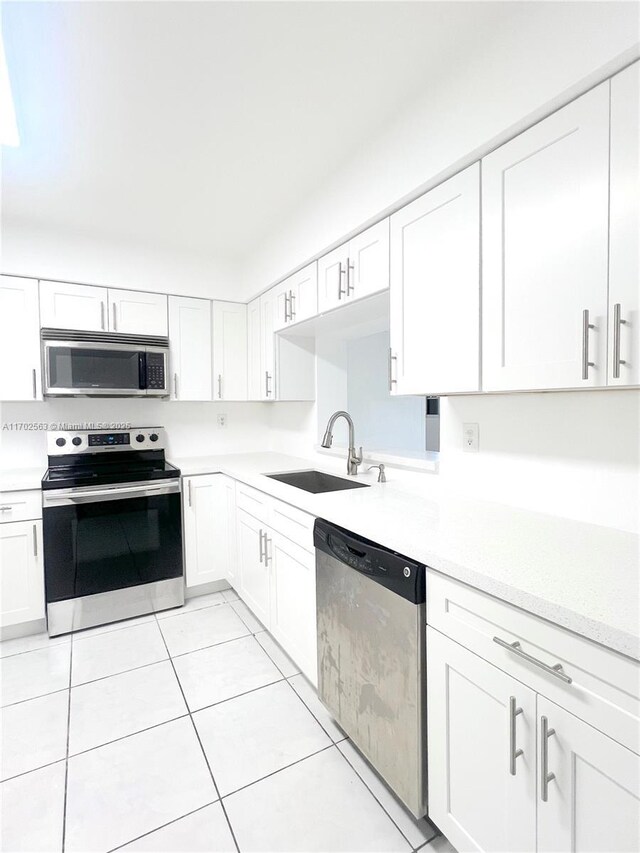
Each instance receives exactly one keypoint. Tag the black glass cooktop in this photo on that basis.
(127, 467)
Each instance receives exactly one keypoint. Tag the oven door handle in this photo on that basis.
(115, 493)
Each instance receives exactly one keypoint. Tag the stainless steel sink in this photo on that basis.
(316, 481)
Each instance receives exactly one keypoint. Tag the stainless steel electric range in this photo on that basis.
(112, 524)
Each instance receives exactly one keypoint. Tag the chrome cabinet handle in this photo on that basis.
(267, 378)
(115, 318)
(175, 385)
(33, 377)
(6, 508)
(267, 543)
(286, 307)
(617, 321)
(220, 386)
(392, 358)
(189, 491)
(514, 752)
(545, 776)
(35, 541)
(350, 269)
(341, 291)
(260, 540)
(586, 325)
(292, 305)
(102, 316)
(556, 669)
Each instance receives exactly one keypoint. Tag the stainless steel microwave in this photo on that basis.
(101, 364)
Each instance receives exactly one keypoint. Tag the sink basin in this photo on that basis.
(316, 481)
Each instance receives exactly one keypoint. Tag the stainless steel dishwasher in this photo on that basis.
(371, 655)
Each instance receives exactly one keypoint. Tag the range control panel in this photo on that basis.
(98, 441)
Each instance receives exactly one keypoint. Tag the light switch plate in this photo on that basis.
(470, 438)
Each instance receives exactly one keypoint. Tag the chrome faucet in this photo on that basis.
(353, 459)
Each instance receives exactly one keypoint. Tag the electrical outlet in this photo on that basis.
(470, 438)
(222, 421)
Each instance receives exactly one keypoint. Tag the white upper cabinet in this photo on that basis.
(356, 269)
(267, 346)
(98, 309)
(190, 348)
(73, 306)
(544, 249)
(624, 257)
(593, 776)
(229, 351)
(20, 375)
(138, 313)
(254, 351)
(435, 290)
(297, 297)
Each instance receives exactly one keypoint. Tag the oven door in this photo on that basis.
(80, 368)
(101, 539)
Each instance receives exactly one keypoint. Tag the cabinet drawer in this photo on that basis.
(20, 506)
(254, 502)
(605, 686)
(293, 523)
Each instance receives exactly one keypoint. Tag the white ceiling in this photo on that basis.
(199, 126)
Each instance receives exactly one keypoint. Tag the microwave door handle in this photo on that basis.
(142, 370)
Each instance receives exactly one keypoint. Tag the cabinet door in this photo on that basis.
(253, 567)
(435, 290)
(20, 377)
(229, 351)
(267, 345)
(293, 602)
(206, 535)
(368, 264)
(228, 511)
(254, 352)
(138, 313)
(624, 249)
(593, 801)
(544, 245)
(21, 572)
(73, 306)
(473, 796)
(190, 346)
(303, 288)
(332, 278)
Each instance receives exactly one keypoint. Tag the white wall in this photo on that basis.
(191, 427)
(547, 52)
(34, 251)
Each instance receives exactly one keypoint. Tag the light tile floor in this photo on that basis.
(192, 731)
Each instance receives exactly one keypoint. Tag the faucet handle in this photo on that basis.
(382, 477)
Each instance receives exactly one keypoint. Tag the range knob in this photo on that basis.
(76, 440)
(153, 436)
(61, 442)
(140, 437)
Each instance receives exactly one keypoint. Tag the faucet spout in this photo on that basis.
(353, 459)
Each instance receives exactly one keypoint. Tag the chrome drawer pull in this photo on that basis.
(261, 551)
(586, 325)
(7, 508)
(545, 776)
(517, 650)
(514, 752)
(617, 322)
(341, 291)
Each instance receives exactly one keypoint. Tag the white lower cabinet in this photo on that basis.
(209, 529)
(572, 788)
(21, 572)
(293, 601)
(473, 797)
(253, 566)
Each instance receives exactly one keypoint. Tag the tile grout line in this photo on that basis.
(164, 825)
(66, 761)
(204, 754)
(382, 805)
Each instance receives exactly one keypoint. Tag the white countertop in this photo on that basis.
(20, 479)
(581, 576)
